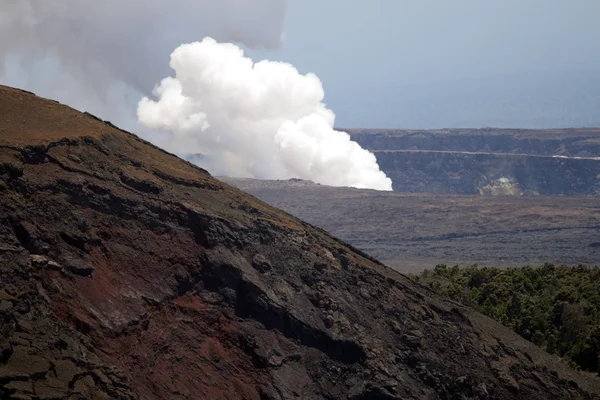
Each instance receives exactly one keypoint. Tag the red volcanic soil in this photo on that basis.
(129, 273)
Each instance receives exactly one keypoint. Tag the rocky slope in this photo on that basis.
(488, 161)
(128, 273)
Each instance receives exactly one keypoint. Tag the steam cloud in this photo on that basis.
(261, 120)
(104, 55)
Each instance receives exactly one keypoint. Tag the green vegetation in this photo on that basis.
(555, 307)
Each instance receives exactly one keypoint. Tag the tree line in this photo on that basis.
(555, 307)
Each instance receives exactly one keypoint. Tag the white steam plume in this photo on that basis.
(103, 56)
(262, 120)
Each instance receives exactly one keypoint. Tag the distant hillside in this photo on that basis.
(564, 142)
(489, 161)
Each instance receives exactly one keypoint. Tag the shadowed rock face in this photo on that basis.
(482, 161)
(128, 273)
(489, 174)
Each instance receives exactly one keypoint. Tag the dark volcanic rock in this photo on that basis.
(489, 174)
(194, 290)
(489, 160)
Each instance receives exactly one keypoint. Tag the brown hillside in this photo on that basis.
(129, 273)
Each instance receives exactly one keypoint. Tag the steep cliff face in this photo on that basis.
(129, 273)
(583, 142)
(488, 173)
(488, 161)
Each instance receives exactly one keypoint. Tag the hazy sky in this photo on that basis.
(376, 57)
(383, 63)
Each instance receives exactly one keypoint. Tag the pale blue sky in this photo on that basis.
(442, 63)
